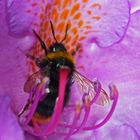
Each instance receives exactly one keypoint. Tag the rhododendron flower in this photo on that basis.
(107, 33)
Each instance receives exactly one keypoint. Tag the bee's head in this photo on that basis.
(57, 47)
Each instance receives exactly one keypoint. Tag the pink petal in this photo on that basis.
(20, 15)
(135, 5)
(113, 24)
(92, 21)
(13, 71)
(121, 66)
(10, 129)
(117, 132)
(30, 137)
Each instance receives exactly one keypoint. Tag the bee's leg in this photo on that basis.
(29, 101)
(41, 42)
(77, 49)
(25, 107)
(37, 60)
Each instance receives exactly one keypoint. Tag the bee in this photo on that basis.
(56, 57)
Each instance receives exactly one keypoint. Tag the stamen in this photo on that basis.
(86, 106)
(34, 105)
(83, 109)
(49, 127)
(59, 103)
(87, 111)
(97, 88)
(114, 97)
(75, 121)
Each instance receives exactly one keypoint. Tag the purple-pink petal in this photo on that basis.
(121, 65)
(13, 70)
(107, 20)
(113, 24)
(18, 18)
(135, 5)
(9, 126)
(117, 132)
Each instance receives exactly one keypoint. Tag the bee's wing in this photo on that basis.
(87, 86)
(36, 78)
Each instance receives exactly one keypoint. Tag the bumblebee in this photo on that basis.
(56, 57)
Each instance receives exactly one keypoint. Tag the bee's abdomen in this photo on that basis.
(46, 106)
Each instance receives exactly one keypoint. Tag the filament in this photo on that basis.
(83, 109)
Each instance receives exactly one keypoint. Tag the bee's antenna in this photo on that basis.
(41, 42)
(53, 31)
(65, 34)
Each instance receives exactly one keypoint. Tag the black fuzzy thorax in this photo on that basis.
(46, 106)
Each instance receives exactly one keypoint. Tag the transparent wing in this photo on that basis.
(87, 86)
(35, 82)
(36, 78)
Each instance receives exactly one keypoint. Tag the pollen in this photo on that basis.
(84, 0)
(69, 24)
(76, 37)
(61, 26)
(89, 12)
(35, 24)
(74, 30)
(34, 4)
(78, 108)
(88, 27)
(46, 25)
(66, 2)
(28, 11)
(80, 23)
(68, 38)
(96, 5)
(64, 14)
(68, 47)
(54, 14)
(75, 8)
(77, 16)
(48, 42)
(48, 7)
(41, 16)
(57, 2)
(43, 1)
(35, 13)
(96, 17)
(82, 38)
(58, 37)
(74, 42)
